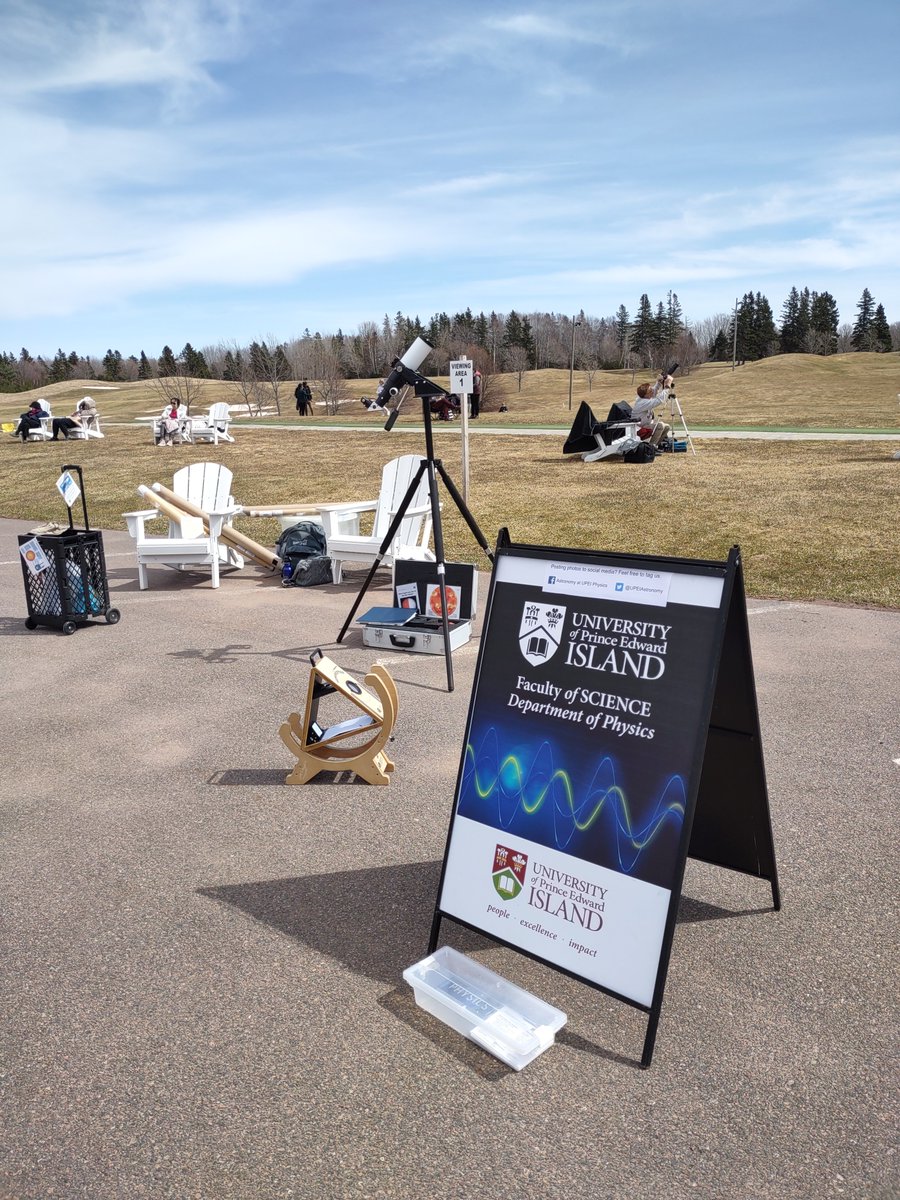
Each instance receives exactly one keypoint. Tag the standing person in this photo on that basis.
(475, 407)
(303, 396)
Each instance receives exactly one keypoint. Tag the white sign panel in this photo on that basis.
(597, 923)
(461, 377)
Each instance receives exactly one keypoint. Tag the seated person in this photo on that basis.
(649, 396)
(84, 416)
(169, 427)
(442, 407)
(29, 420)
(87, 413)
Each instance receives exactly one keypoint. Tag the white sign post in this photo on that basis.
(462, 379)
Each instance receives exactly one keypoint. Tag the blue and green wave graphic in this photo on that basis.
(535, 794)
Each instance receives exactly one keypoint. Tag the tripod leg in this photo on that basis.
(438, 534)
(386, 544)
(464, 511)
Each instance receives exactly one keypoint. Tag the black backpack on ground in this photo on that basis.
(644, 453)
(303, 546)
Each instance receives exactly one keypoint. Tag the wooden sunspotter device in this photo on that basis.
(327, 749)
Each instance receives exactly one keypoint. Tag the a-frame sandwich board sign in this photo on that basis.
(612, 732)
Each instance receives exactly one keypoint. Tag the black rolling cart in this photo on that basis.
(72, 588)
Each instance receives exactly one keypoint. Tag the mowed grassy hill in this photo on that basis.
(846, 391)
(815, 520)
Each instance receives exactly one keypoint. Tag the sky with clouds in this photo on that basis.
(210, 170)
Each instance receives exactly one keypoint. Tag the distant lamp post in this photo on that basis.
(575, 325)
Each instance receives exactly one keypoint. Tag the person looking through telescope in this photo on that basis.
(649, 397)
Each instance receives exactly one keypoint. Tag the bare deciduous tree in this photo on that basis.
(329, 381)
(517, 363)
(184, 389)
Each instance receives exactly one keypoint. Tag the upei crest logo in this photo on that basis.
(540, 631)
(509, 872)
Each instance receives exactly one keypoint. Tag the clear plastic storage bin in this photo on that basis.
(503, 1019)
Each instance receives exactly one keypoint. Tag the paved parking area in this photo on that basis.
(202, 981)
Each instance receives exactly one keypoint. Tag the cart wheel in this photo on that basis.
(113, 616)
(30, 623)
(69, 626)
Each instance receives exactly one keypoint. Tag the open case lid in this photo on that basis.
(461, 580)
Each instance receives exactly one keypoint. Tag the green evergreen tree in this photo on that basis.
(260, 361)
(112, 366)
(229, 369)
(166, 364)
(9, 374)
(823, 323)
(643, 331)
(622, 327)
(881, 332)
(741, 341)
(803, 318)
(144, 369)
(791, 340)
(862, 337)
(674, 320)
(60, 370)
(659, 327)
(765, 335)
(481, 333)
(720, 347)
(194, 362)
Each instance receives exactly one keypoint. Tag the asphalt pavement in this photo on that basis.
(202, 985)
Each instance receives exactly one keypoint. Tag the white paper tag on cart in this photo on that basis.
(68, 488)
(35, 558)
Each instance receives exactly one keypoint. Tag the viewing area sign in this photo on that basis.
(612, 732)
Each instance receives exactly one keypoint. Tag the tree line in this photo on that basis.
(512, 342)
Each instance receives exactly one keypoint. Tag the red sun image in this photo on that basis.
(434, 602)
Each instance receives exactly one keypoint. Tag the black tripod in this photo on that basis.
(426, 389)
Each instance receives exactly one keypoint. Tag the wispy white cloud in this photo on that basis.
(162, 44)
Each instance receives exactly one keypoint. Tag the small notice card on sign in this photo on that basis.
(68, 488)
(34, 557)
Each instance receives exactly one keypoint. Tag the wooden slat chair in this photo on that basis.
(341, 521)
(188, 544)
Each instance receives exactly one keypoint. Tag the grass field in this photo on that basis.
(846, 391)
(815, 520)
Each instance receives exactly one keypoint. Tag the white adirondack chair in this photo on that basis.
(90, 430)
(341, 521)
(214, 426)
(188, 545)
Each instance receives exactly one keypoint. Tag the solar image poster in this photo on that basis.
(583, 750)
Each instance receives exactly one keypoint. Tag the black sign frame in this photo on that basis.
(726, 761)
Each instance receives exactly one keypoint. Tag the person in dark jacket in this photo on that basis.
(303, 396)
(29, 420)
(475, 404)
